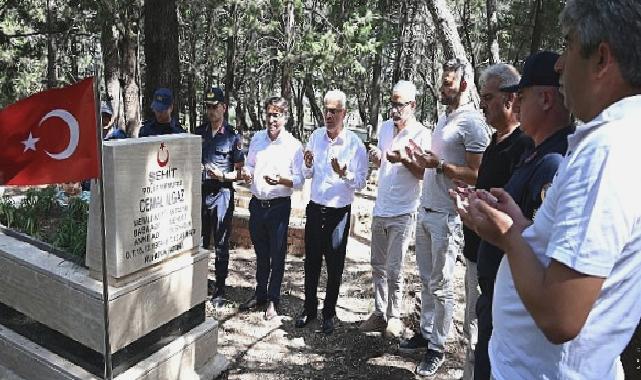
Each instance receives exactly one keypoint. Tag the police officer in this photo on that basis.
(222, 155)
(162, 123)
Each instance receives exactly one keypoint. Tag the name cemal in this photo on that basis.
(159, 201)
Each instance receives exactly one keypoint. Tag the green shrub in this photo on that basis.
(42, 217)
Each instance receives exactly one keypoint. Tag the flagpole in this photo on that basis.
(101, 186)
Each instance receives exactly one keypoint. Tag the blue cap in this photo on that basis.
(538, 70)
(214, 96)
(163, 99)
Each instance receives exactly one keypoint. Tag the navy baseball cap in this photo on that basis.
(214, 96)
(538, 70)
(163, 99)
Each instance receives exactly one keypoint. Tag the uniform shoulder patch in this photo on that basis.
(544, 190)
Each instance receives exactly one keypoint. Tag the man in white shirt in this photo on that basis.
(336, 161)
(399, 188)
(458, 142)
(566, 299)
(274, 167)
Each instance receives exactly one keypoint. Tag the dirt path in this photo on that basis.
(263, 350)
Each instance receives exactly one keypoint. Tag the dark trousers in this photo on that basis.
(482, 368)
(216, 216)
(326, 233)
(268, 225)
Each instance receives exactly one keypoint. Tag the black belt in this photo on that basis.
(267, 203)
(325, 209)
(211, 184)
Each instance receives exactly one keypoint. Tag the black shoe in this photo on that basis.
(328, 326)
(431, 363)
(211, 287)
(417, 342)
(251, 304)
(218, 298)
(304, 319)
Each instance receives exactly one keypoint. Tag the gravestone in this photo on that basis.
(152, 203)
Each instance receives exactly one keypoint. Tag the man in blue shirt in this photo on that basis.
(163, 123)
(222, 155)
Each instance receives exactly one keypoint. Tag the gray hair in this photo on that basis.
(506, 74)
(617, 22)
(336, 95)
(406, 88)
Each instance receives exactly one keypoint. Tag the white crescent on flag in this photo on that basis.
(74, 133)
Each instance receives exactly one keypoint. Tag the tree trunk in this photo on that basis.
(161, 50)
(537, 28)
(375, 91)
(492, 28)
(400, 43)
(109, 39)
(286, 70)
(451, 42)
(52, 77)
(311, 97)
(131, 91)
(230, 53)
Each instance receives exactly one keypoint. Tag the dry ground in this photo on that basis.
(263, 350)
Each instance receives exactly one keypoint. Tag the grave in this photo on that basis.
(157, 278)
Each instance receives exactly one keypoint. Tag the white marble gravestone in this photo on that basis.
(152, 203)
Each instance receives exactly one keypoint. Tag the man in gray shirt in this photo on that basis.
(458, 142)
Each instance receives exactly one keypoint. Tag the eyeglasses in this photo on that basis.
(399, 106)
(276, 115)
(333, 111)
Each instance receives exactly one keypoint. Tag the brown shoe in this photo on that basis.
(270, 313)
(374, 323)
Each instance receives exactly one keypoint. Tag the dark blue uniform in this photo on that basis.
(527, 186)
(154, 128)
(224, 151)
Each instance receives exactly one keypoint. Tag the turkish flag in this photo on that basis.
(50, 137)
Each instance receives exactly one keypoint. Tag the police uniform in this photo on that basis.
(223, 150)
(154, 128)
(162, 101)
(527, 186)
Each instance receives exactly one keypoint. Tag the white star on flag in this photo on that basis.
(30, 143)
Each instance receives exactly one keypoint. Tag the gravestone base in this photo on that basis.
(191, 356)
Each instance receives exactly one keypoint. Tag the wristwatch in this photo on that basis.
(439, 167)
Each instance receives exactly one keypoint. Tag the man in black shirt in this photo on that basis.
(163, 123)
(499, 160)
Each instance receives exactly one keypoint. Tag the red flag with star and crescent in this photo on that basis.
(50, 137)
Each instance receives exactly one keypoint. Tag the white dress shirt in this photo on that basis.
(282, 157)
(328, 189)
(398, 189)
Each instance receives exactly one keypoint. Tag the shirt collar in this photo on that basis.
(621, 109)
(281, 136)
(340, 139)
(469, 106)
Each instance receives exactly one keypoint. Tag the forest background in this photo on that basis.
(258, 48)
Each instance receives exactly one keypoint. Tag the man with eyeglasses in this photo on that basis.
(336, 161)
(394, 216)
(458, 142)
(222, 158)
(274, 167)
